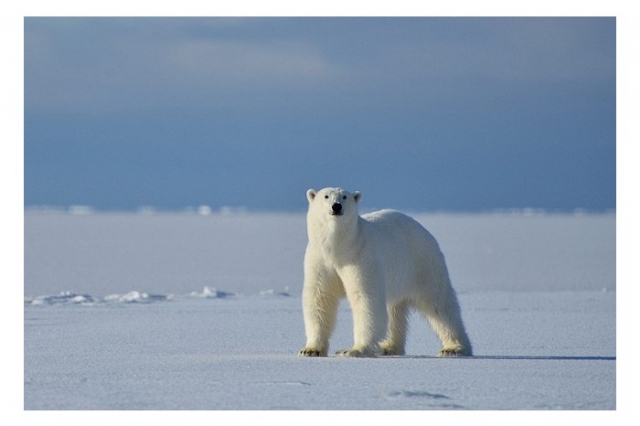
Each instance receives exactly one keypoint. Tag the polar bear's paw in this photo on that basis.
(454, 351)
(350, 353)
(356, 353)
(390, 349)
(312, 352)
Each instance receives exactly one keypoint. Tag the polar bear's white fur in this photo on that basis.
(385, 263)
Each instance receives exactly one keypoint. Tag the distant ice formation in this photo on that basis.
(212, 293)
(70, 298)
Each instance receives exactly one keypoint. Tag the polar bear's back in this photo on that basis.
(400, 232)
(394, 224)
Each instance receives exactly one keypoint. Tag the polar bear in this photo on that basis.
(385, 263)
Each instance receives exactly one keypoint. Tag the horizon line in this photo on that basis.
(206, 210)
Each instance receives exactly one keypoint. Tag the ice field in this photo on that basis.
(188, 311)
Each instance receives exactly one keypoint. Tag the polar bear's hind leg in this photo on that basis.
(448, 326)
(397, 329)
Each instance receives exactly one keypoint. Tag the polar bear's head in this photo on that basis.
(333, 202)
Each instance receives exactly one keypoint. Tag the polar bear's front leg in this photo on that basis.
(366, 296)
(320, 309)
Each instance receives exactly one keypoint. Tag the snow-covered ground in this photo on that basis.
(190, 311)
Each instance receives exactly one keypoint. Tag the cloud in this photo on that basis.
(255, 63)
(530, 50)
(120, 72)
(135, 64)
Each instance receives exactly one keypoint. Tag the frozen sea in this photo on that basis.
(187, 311)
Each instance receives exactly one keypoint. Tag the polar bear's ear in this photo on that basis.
(357, 196)
(311, 194)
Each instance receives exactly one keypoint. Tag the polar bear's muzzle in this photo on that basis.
(336, 209)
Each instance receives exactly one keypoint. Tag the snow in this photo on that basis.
(177, 311)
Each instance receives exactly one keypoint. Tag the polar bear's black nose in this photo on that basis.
(336, 207)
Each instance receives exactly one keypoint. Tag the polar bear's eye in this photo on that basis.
(326, 197)
(344, 197)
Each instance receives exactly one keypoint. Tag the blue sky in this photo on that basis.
(459, 114)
